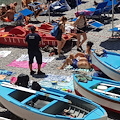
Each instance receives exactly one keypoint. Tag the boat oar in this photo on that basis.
(5, 84)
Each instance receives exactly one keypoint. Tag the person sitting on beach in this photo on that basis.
(42, 8)
(80, 60)
(3, 9)
(13, 5)
(8, 16)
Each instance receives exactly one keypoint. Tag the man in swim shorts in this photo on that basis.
(8, 16)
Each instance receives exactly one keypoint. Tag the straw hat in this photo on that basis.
(3, 5)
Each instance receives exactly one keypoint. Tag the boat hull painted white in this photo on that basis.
(24, 113)
(105, 69)
(96, 98)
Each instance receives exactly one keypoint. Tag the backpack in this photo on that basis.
(22, 80)
(36, 86)
(54, 31)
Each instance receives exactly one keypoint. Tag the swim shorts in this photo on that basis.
(75, 63)
(7, 20)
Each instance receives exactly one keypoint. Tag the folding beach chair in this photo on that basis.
(116, 30)
(108, 8)
(95, 24)
(26, 12)
(101, 6)
(98, 10)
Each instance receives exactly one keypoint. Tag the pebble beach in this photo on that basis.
(101, 39)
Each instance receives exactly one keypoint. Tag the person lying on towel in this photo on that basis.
(80, 60)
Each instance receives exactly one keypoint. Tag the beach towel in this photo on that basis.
(5, 72)
(63, 83)
(70, 67)
(24, 64)
(4, 53)
(24, 57)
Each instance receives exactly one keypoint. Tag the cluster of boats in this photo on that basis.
(15, 36)
(52, 104)
(105, 92)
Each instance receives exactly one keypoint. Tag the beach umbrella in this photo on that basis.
(112, 17)
(49, 10)
(77, 5)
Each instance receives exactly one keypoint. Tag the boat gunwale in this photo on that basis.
(97, 93)
(118, 72)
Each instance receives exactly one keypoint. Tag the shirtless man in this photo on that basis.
(8, 16)
(25, 3)
(13, 5)
(3, 9)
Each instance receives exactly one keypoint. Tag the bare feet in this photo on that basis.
(60, 68)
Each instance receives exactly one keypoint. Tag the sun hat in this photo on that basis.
(3, 5)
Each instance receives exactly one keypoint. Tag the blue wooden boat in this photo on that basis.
(103, 91)
(108, 63)
(49, 104)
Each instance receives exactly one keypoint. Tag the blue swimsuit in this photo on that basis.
(75, 63)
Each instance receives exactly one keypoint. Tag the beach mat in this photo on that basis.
(24, 64)
(63, 83)
(70, 67)
(4, 53)
(24, 57)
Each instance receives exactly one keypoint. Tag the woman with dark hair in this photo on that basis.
(60, 40)
(80, 60)
(81, 24)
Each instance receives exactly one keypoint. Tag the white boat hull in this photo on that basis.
(105, 69)
(22, 112)
(110, 104)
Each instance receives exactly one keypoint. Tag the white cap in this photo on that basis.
(3, 5)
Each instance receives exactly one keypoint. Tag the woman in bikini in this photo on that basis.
(81, 23)
(80, 60)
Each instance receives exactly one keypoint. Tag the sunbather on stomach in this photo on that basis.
(80, 60)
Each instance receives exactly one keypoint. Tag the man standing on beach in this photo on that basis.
(33, 40)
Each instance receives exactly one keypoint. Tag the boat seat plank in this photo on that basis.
(110, 85)
(28, 99)
(110, 88)
(48, 105)
(107, 93)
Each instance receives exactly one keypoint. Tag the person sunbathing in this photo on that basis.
(3, 9)
(25, 3)
(13, 5)
(80, 60)
(8, 16)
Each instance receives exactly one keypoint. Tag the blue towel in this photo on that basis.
(5, 72)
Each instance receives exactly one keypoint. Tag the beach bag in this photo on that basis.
(22, 80)
(99, 52)
(54, 31)
(36, 86)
